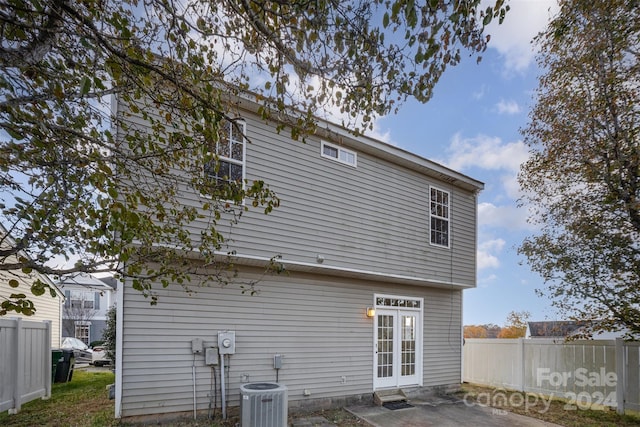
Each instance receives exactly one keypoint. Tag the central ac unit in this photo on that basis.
(263, 405)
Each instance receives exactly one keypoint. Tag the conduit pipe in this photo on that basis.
(193, 377)
(222, 388)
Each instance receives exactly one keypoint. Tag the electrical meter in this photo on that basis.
(227, 342)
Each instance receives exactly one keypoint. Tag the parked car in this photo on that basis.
(81, 351)
(100, 356)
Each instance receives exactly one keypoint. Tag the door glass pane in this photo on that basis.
(385, 346)
(82, 333)
(408, 326)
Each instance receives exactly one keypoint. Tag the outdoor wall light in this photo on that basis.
(371, 311)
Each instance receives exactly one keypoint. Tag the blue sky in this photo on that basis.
(472, 125)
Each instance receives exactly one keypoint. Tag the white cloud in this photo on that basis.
(511, 185)
(378, 134)
(485, 152)
(512, 39)
(487, 252)
(509, 216)
(494, 245)
(486, 281)
(486, 260)
(490, 153)
(508, 107)
(479, 94)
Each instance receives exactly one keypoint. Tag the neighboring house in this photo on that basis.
(361, 224)
(87, 300)
(569, 328)
(553, 328)
(47, 307)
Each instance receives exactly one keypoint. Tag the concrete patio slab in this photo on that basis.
(443, 413)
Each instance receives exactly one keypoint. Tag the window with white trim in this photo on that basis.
(339, 154)
(227, 155)
(82, 332)
(439, 217)
(81, 300)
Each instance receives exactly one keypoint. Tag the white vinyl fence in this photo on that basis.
(25, 362)
(600, 372)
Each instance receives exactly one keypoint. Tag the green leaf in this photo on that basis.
(134, 218)
(14, 283)
(113, 193)
(395, 9)
(13, 134)
(115, 69)
(85, 87)
(105, 168)
(38, 289)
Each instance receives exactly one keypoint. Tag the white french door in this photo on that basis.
(397, 343)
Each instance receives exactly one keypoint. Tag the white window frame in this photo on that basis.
(215, 156)
(82, 326)
(340, 151)
(81, 299)
(439, 217)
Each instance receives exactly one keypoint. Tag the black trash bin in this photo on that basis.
(56, 355)
(64, 370)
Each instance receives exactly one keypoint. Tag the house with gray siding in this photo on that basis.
(87, 300)
(377, 246)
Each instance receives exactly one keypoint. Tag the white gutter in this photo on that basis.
(354, 273)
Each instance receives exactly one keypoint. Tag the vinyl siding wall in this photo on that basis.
(374, 217)
(317, 323)
(47, 307)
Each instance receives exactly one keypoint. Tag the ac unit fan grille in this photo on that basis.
(263, 405)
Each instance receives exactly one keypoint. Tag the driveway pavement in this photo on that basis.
(443, 413)
(91, 368)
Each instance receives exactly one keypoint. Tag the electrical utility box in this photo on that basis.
(211, 356)
(227, 342)
(196, 345)
(277, 361)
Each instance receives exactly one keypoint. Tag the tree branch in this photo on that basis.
(37, 49)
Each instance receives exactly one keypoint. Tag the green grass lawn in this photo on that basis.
(84, 401)
(556, 411)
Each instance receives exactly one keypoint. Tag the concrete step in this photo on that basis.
(381, 397)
